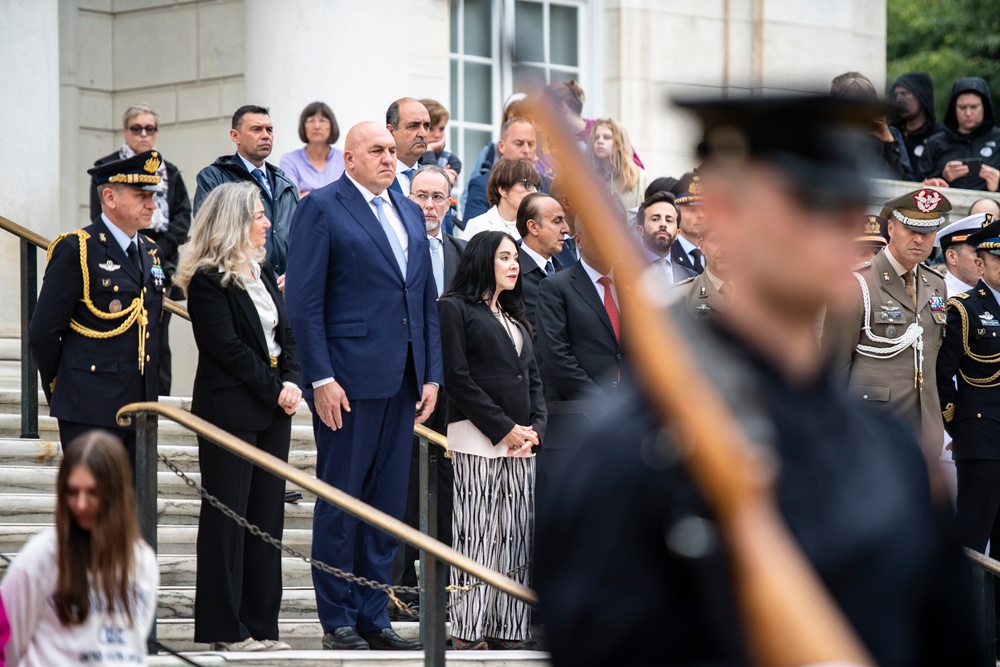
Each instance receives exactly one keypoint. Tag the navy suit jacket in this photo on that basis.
(354, 316)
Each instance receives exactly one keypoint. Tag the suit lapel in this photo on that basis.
(250, 312)
(360, 210)
(586, 289)
(414, 232)
(451, 258)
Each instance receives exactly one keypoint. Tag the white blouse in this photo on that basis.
(463, 436)
(266, 310)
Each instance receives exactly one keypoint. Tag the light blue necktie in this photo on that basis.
(409, 174)
(437, 263)
(397, 248)
(259, 177)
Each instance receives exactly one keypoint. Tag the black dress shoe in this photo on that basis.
(344, 638)
(386, 639)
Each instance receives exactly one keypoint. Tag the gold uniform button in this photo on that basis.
(147, 357)
(147, 334)
(116, 288)
(93, 368)
(979, 415)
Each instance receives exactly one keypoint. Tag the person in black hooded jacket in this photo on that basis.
(970, 133)
(914, 95)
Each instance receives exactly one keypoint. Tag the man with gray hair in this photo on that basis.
(409, 124)
(171, 219)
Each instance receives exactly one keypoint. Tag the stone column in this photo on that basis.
(356, 56)
(29, 134)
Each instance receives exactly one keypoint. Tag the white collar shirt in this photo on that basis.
(538, 259)
(121, 237)
(250, 166)
(390, 214)
(402, 178)
(595, 276)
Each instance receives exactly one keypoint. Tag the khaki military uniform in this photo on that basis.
(892, 365)
(699, 296)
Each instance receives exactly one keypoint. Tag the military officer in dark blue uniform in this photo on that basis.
(969, 389)
(95, 331)
(631, 565)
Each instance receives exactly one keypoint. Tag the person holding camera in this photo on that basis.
(967, 154)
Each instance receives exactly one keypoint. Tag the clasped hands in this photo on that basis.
(520, 440)
(289, 398)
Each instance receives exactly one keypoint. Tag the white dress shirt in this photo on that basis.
(955, 286)
(538, 259)
(404, 182)
(490, 222)
(594, 276)
(267, 311)
(661, 267)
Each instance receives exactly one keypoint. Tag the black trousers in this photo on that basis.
(977, 515)
(238, 584)
(166, 376)
(404, 573)
(68, 431)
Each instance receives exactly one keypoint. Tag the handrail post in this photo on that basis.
(145, 486)
(984, 584)
(29, 372)
(433, 572)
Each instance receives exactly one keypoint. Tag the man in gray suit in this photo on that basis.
(656, 222)
(430, 189)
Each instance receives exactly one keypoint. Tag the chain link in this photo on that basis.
(391, 591)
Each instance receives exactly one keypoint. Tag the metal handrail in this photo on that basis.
(983, 561)
(332, 495)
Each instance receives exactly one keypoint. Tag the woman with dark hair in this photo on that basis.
(247, 383)
(496, 416)
(317, 163)
(84, 591)
(509, 183)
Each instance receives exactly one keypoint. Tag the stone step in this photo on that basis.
(10, 399)
(42, 479)
(30, 452)
(313, 658)
(180, 570)
(39, 508)
(169, 433)
(176, 540)
(177, 602)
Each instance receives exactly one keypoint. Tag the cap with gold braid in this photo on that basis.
(139, 171)
(688, 190)
(921, 210)
(987, 238)
(960, 230)
(874, 231)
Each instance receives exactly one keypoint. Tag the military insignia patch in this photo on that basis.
(103, 237)
(937, 303)
(105, 282)
(703, 293)
(885, 277)
(109, 266)
(927, 200)
(890, 331)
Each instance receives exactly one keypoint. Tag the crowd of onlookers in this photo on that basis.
(353, 278)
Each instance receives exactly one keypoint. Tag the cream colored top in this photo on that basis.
(463, 436)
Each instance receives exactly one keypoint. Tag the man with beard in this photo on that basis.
(886, 341)
(966, 154)
(409, 124)
(253, 134)
(656, 223)
(914, 95)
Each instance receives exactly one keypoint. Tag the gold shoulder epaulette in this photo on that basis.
(932, 270)
(79, 233)
(961, 295)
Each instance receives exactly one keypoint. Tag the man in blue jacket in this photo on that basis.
(253, 134)
(362, 302)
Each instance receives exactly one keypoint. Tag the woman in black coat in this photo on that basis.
(496, 416)
(246, 383)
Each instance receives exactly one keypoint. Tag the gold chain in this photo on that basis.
(134, 313)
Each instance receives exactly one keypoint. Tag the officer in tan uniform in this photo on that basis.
(887, 342)
(708, 293)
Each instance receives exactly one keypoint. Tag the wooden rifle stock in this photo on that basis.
(789, 617)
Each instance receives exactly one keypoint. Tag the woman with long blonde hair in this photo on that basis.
(246, 383)
(85, 590)
(611, 151)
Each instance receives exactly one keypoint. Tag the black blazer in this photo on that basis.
(453, 249)
(488, 382)
(681, 258)
(581, 359)
(235, 387)
(531, 276)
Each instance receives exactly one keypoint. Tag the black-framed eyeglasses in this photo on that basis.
(437, 197)
(139, 129)
(528, 185)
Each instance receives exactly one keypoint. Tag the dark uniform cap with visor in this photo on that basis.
(819, 143)
(140, 171)
(987, 238)
(961, 230)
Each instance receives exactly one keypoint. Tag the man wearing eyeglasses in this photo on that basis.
(171, 219)
(430, 189)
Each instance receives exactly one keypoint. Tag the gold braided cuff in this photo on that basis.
(949, 412)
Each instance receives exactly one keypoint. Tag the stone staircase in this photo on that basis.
(27, 480)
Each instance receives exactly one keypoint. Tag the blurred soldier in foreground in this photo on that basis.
(971, 354)
(626, 539)
(886, 341)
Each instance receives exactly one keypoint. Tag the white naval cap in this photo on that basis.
(960, 230)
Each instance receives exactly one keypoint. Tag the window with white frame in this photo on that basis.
(500, 47)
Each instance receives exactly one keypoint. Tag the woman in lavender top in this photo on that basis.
(318, 163)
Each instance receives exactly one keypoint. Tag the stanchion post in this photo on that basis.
(433, 573)
(145, 485)
(29, 371)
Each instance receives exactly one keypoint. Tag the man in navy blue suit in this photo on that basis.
(361, 299)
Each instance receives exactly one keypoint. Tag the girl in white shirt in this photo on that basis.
(84, 592)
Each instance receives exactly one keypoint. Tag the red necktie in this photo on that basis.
(611, 307)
